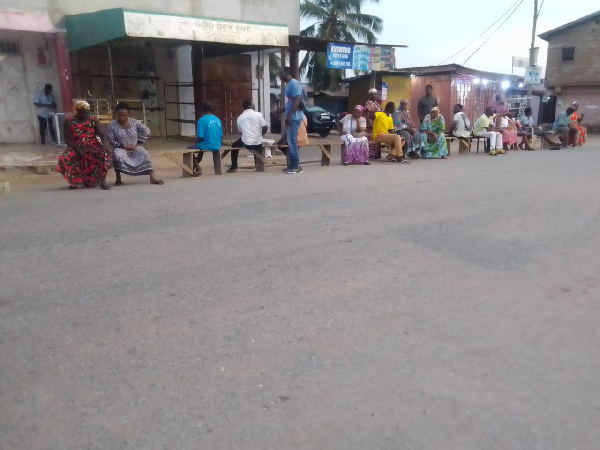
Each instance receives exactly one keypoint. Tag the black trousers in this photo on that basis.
(236, 153)
(46, 123)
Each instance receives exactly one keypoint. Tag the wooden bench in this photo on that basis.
(325, 152)
(450, 139)
(325, 147)
(187, 155)
(187, 162)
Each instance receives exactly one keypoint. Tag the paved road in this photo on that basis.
(441, 305)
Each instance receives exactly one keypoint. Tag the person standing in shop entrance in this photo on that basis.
(426, 103)
(44, 100)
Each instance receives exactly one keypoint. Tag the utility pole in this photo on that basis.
(532, 49)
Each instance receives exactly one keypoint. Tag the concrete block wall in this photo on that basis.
(585, 69)
(588, 98)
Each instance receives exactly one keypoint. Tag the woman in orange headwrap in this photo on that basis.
(85, 162)
(576, 119)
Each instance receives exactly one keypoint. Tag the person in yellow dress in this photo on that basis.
(383, 133)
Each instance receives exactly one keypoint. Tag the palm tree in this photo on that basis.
(336, 20)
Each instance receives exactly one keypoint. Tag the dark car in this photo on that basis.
(319, 121)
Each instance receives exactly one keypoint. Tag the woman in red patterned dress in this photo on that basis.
(85, 162)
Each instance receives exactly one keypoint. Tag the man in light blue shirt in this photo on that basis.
(44, 100)
(210, 135)
(526, 122)
(294, 98)
(563, 128)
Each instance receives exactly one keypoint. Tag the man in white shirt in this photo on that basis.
(461, 128)
(44, 100)
(483, 128)
(253, 127)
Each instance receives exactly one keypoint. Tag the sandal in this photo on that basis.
(159, 182)
(119, 183)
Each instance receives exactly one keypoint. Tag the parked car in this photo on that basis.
(319, 121)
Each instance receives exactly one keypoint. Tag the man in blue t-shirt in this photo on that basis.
(210, 135)
(563, 128)
(294, 96)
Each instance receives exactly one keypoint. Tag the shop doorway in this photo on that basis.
(16, 124)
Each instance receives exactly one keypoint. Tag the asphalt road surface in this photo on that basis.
(438, 305)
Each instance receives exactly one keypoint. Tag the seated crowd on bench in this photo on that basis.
(497, 125)
(85, 162)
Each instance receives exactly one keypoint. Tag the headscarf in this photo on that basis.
(82, 106)
(373, 91)
(404, 100)
(360, 108)
(436, 109)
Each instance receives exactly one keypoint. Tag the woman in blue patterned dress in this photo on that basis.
(404, 126)
(126, 135)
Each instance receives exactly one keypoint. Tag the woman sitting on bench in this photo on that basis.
(432, 136)
(352, 129)
(126, 136)
(383, 133)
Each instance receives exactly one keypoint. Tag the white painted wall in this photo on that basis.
(272, 11)
(36, 76)
(260, 86)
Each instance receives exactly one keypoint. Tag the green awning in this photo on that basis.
(85, 30)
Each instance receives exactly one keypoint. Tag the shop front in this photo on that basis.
(165, 66)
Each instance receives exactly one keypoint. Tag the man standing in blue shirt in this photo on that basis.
(294, 96)
(210, 135)
(563, 128)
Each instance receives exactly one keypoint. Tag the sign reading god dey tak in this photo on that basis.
(207, 30)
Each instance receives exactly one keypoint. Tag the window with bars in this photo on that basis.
(568, 54)
(9, 47)
(474, 94)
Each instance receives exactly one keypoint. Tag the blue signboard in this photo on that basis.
(360, 57)
(339, 56)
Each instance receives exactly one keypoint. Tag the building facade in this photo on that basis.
(573, 67)
(162, 58)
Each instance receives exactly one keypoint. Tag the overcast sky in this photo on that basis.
(436, 29)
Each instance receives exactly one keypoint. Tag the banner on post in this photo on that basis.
(533, 75)
(520, 61)
(339, 56)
